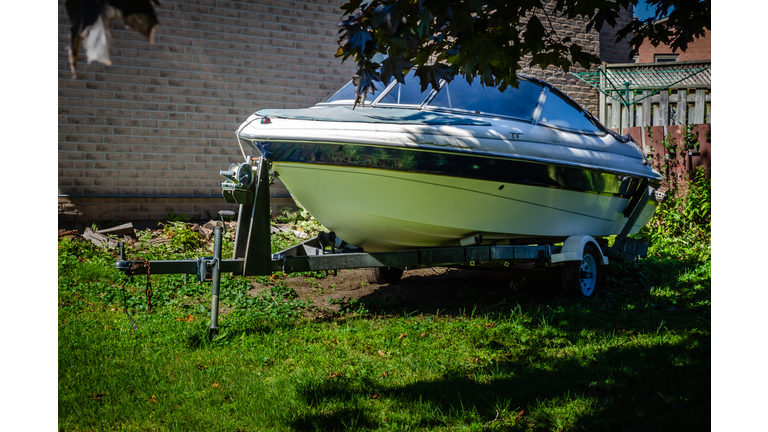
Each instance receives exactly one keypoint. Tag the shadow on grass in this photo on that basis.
(637, 389)
(229, 332)
(497, 293)
(338, 419)
(458, 292)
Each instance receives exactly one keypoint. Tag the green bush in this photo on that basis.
(681, 229)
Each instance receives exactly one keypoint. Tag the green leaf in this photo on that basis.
(354, 40)
(425, 23)
(351, 6)
(432, 74)
(387, 17)
(394, 66)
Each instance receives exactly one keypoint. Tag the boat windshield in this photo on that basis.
(513, 102)
(346, 94)
(560, 113)
(408, 93)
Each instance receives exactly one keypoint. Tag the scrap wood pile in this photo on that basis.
(106, 237)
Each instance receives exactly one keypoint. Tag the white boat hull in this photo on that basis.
(382, 210)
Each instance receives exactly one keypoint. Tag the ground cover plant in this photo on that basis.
(443, 350)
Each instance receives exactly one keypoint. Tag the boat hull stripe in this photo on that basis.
(502, 170)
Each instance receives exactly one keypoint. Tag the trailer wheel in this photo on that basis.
(383, 275)
(581, 278)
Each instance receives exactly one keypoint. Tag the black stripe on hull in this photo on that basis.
(502, 170)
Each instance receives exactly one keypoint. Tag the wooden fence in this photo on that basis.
(687, 100)
(670, 107)
(682, 161)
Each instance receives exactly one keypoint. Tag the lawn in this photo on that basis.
(517, 356)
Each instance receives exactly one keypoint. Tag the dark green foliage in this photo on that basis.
(182, 237)
(490, 39)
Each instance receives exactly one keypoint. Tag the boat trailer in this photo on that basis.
(248, 185)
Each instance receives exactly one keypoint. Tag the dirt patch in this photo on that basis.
(431, 290)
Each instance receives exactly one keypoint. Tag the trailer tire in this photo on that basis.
(580, 279)
(383, 275)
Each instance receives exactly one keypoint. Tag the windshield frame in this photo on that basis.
(602, 130)
(547, 89)
(368, 102)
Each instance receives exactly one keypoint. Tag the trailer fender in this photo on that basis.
(573, 250)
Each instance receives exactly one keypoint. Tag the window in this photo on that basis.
(346, 94)
(513, 102)
(560, 113)
(407, 94)
(661, 58)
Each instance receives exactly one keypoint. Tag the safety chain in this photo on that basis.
(149, 282)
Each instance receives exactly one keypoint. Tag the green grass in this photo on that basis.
(637, 358)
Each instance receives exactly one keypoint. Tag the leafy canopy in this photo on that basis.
(489, 38)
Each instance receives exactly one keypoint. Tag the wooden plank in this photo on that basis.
(682, 106)
(708, 117)
(637, 135)
(705, 147)
(98, 239)
(692, 98)
(700, 107)
(653, 141)
(655, 99)
(623, 117)
(664, 108)
(676, 132)
(119, 230)
(616, 106)
(646, 112)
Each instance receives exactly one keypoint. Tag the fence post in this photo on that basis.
(698, 117)
(616, 114)
(647, 110)
(682, 106)
(664, 107)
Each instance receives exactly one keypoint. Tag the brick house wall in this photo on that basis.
(601, 43)
(610, 50)
(148, 135)
(700, 49)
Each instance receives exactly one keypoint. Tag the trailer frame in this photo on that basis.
(252, 247)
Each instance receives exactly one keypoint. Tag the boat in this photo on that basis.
(462, 164)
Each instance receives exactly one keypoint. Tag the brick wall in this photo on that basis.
(600, 43)
(160, 121)
(610, 50)
(700, 49)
